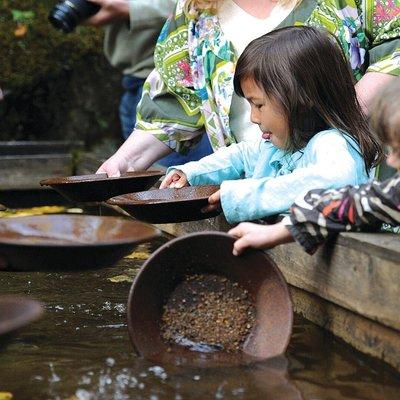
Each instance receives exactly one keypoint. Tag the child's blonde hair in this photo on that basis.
(385, 118)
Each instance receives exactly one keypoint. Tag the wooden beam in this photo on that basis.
(363, 334)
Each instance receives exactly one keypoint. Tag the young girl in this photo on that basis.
(359, 208)
(313, 133)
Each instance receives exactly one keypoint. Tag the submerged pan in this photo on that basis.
(69, 241)
(16, 312)
(168, 205)
(209, 252)
(99, 187)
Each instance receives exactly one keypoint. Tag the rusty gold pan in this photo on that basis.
(69, 242)
(209, 252)
(98, 187)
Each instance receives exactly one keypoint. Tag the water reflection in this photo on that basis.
(80, 350)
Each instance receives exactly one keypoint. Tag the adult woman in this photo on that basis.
(191, 89)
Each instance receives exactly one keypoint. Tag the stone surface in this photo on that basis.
(25, 172)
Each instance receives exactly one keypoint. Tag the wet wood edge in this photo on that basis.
(363, 334)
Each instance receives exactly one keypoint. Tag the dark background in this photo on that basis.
(57, 86)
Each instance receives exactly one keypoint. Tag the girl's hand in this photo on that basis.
(175, 179)
(214, 202)
(259, 236)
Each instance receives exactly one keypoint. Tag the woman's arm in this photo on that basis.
(168, 113)
(137, 153)
(369, 86)
(382, 29)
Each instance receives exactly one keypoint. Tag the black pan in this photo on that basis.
(68, 242)
(99, 187)
(168, 205)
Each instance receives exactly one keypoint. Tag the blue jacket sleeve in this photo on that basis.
(236, 161)
(328, 161)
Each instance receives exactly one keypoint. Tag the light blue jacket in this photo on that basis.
(258, 179)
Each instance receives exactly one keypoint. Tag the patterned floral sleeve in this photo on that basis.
(382, 24)
(352, 208)
(368, 31)
(170, 107)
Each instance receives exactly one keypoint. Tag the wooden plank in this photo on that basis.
(357, 276)
(365, 335)
(25, 172)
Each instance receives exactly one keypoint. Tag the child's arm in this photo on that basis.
(361, 208)
(330, 164)
(233, 162)
(259, 236)
(322, 213)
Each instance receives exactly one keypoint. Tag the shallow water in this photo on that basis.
(80, 350)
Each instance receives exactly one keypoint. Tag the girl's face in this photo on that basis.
(267, 114)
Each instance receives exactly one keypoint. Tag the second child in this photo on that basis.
(312, 130)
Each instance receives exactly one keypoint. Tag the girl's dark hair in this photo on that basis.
(306, 71)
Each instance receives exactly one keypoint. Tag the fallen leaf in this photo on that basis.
(20, 31)
(121, 278)
(138, 255)
(24, 212)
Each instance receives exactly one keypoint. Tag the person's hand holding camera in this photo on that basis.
(67, 14)
(110, 11)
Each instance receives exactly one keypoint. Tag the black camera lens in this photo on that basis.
(67, 14)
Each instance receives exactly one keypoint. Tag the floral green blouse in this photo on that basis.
(190, 90)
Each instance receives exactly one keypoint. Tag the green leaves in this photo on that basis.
(25, 17)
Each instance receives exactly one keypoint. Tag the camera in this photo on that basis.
(67, 14)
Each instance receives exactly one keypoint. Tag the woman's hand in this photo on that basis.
(115, 166)
(259, 236)
(175, 179)
(214, 202)
(137, 153)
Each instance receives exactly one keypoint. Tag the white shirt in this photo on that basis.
(240, 28)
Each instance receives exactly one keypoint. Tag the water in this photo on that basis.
(80, 350)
